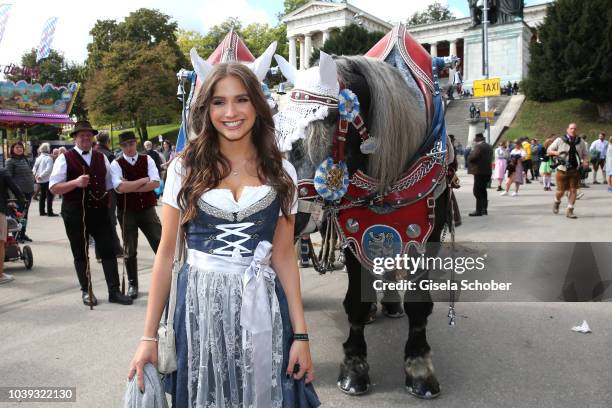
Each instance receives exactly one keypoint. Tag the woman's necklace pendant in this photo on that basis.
(234, 172)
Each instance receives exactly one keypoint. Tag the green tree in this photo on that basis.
(44, 132)
(151, 27)
(131, 68)
(258, 37)
(143, 26)
(433, 13)
(571, 57)
(188, 39)
(206, 44)
(135, 84)
(351, 40)
(103, 33)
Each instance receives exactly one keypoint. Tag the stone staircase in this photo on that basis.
(458, 111)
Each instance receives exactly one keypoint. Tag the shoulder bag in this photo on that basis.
(166, 348)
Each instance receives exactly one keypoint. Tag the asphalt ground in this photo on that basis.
(506, 354)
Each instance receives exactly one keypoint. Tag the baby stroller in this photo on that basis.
(12, 251)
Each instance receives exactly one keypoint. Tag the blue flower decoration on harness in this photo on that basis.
(331, 179)
(348, 105)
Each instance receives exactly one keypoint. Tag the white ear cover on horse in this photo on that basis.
(262, 64)
(200, 65)
(286, 68)
(328, 71)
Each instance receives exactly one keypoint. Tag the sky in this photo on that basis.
(76, 18)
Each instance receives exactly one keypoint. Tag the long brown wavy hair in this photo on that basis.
(549, 141)
(203, 163)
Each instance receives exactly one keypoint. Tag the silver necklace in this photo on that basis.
(236, 171)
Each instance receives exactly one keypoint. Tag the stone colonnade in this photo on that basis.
(446, 48)
(306, 43)
(301, 47)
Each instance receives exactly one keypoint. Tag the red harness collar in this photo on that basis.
(380, 225)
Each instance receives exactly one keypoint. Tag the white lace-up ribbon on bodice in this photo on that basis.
(234, 248)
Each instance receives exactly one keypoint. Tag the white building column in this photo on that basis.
(453, 47)
(325, 36)
(292, 56)
(302, 53)
(433, 50)
(452, 51)
(307, 49)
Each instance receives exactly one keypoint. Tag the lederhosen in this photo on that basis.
(137, 211)
(97, 222)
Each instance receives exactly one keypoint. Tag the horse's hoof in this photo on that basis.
(424, 388)
(420, 379)
(354, 378)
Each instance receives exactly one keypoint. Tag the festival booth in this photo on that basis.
(23, 105)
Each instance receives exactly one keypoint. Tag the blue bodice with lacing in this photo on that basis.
(221, 232)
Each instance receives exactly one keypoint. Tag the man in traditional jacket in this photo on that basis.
(82, 177)
(135, 176)
(479, 165)
(103, 140)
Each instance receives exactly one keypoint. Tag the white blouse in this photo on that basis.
(520, 152)
(222, 198)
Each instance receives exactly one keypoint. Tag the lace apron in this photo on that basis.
(234, 330)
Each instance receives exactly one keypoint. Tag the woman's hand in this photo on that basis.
(145, 353)
(300, 354)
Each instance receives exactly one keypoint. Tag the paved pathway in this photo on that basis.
(498, 355)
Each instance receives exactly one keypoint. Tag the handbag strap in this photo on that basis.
(179, 254)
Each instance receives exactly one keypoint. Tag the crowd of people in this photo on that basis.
(510, 88)
(31, 177)
(569, 157)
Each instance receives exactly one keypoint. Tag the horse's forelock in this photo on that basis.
(394, 116)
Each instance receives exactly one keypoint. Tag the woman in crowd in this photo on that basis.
(516, 174)
(42, 171)
(233, 198)
(545, 164)
(167, 151)
(167, 155)
(501, 163)
(18, 168)
(609, 164)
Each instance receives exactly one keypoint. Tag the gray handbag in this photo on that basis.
(166, 347)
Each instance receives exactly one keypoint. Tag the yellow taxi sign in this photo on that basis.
(486, 87)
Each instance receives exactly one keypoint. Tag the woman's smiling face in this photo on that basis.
(231, 110)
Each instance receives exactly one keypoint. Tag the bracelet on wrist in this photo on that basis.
(145, 338)
(300, 336)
